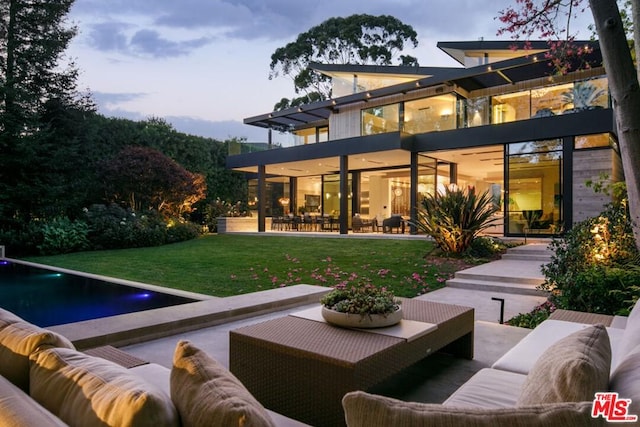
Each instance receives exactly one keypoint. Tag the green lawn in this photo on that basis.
(224, 265)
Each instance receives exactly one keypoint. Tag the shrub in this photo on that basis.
(589, 270)
(182, 231)
(486, 247)
(455, 218)
(533, 318)
(113, 227)
(21, 240)
(62, 235)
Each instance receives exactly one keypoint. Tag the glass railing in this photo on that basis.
(534, 103)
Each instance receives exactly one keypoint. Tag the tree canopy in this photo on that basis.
(357, 39)
(145, 179)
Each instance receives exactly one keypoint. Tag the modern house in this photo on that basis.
(502, 122)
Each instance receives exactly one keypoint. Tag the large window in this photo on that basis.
(534, 204)
(430, 114)
(311, 135)
(382, 119)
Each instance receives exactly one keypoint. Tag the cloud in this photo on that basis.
(114, 37)
(109, 36)
(106, 100)
(151, 43)
(252, 20)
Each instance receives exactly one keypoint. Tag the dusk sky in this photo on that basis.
(203, 65)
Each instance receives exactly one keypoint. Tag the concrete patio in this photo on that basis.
(434, 378)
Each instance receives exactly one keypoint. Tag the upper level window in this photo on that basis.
(311, 135)
(348, 84)
(550, 101)
(381, 119)
(430, 114)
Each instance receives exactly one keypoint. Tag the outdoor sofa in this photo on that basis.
(548, 379)
(44, 381)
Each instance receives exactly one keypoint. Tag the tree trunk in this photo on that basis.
(623, 84)
(635, 18)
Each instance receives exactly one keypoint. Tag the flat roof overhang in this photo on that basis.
(386, 150)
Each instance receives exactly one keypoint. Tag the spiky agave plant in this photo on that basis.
(454, 218)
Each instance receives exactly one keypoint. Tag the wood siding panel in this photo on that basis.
(588, 165)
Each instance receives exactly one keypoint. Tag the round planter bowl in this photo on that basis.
(347, 320)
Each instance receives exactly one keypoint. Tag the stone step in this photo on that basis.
(500, 276)
(542, 258)
(532, 249)
(496, 286)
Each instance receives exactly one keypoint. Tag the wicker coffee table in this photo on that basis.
(302, 368)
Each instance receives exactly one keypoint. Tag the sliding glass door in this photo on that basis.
(534, 202)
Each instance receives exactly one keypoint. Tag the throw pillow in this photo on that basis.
(206, 393)
(83, 390)
(17, 341)
(631, 335)
(571, 370)
(365, 410)
(17, 409)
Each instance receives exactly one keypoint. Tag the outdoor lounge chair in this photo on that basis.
(360, 225)
(395, 222)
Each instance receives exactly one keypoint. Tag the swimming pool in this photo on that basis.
(50, 297)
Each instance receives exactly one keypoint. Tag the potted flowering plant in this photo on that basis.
(361, 306)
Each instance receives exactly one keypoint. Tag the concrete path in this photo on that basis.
(514, 279)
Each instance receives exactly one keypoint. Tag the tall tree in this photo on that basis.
(357, 39)
(541, 18)
(33, 37)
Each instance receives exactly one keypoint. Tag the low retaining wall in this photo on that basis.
(240, 224)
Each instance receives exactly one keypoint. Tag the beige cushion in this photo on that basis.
(17, 409)
(526, 353)
(7, 318)
(571, 370)
(488, 388)
(206, 393)
(366, 410)
(626, 380)
(17, 341)
(631, 335)
(89, 391)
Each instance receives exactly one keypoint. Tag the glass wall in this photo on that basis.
(332, 195)
(309, 195)
(534, 204)
(278, 196)
(443, 112)
(510, 107)
(311, 135)
(381, 119)
(430, 114)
